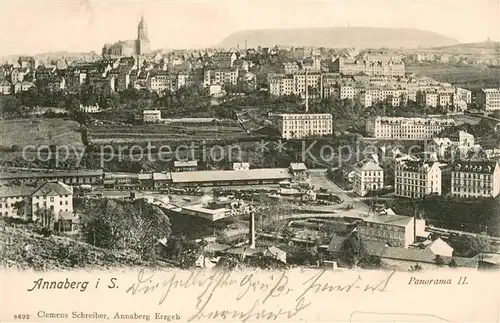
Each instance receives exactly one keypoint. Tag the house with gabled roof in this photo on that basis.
(50, 204)
(368, 176)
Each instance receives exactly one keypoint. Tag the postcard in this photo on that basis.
(249, 161)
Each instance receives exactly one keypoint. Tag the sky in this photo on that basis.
(38, 26)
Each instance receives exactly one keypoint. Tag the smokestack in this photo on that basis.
(246, 45)
(307, 95)
(415, 225)
(251, 239)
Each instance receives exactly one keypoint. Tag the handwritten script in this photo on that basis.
(263, 294)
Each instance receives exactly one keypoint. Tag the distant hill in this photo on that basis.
(338, 37)
(482, 48)
(52, 55)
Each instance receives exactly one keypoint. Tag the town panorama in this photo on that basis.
(251, 157)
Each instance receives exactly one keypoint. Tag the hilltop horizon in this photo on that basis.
(225, 42)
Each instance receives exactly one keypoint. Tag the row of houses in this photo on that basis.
(369, 90)
(419, 178)
(120, 73)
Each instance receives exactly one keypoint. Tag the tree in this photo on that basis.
(124, 225)
(469, 246)
(20, 207)
(287, 234)
(439, 260)
(353, 250)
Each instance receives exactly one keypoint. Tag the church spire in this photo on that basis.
(142, 29)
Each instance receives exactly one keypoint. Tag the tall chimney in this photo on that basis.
(246, 45)
(307, 95)
(251, 239)
(415, 225)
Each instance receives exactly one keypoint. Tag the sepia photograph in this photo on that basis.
(249, 161)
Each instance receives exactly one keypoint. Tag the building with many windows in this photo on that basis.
(51, 203)
(396, 230)
(221, 76)
(406, 128)
(416, 179)
(471, 179)
(151, 116)
(368, 176)
(436, 97)
(379, 65)
(489, 99)
(299, 125)
(463, 95)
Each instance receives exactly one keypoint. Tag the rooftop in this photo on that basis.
(368, 165)
(390, 219)
(6, 175)
(298, 166)
(231, 175)
(185, 163)
(53, 187)
(15, 190)
(486, 167)
(416, 165)
(375, 248)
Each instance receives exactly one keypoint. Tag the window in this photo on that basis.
(52, 199)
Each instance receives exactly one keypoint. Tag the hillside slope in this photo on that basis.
(339, 37)
(56, 253)
(481, 48)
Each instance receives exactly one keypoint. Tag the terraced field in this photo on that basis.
(159, 132)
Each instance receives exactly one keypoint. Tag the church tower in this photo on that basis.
(142, 38)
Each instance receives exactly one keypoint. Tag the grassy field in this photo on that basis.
(469, 76)
(23, 132)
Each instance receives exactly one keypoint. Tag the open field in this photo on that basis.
(158, 132)
(469, 76)
(23, 132)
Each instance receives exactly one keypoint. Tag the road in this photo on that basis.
(319, 180)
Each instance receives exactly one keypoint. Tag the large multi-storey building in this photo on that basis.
(462, 138)
(368, 176)
(489, 99)
(221, 76)
(377, 65)
(406, 128)
(287, 84)
(291, 67)
(416, 179)
(50, 203)
(224, 60)
(310, 79)
(463, 95)
(436, 97)
(160, 81)
(297, 125)
(471, 179)
(396, 230)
